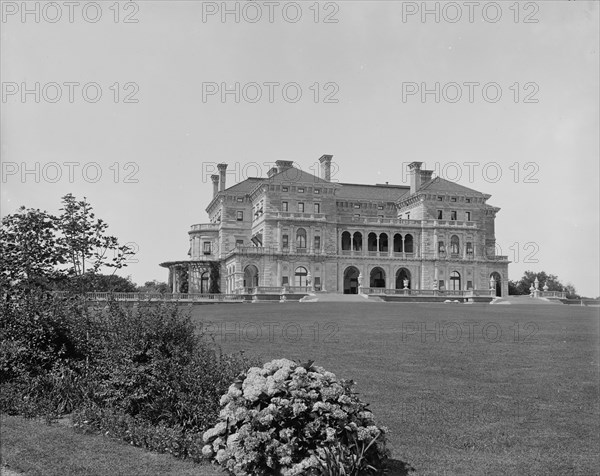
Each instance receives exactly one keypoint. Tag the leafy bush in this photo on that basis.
(291, 419)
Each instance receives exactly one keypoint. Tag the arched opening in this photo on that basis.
(455, 281)
(301, 238)
(383, 242)
(372, 242)
(351, 280)
(357, 241)
(498, 280)
(397, 243)
(377, 278)
(403, 279)
(204, 283)
(300, 276)
(408, 244)
(251, 276)
(346, 239)
(454, 245)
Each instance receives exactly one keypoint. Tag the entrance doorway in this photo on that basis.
(351, 280)
(498, 280)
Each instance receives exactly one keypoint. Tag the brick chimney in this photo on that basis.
(272, 171)
(326, 167)
(222, 168)
(215, 181)
(418, 176)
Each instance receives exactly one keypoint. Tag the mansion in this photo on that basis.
(301, 232)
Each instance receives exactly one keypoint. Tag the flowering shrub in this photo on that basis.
(291, 419)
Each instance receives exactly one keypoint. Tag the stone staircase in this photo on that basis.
(335, 297)
(525, 300)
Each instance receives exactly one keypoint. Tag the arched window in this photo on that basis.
(204, 283)
(372, 242)
(398, 243)
(377, 278)
(383, 242)
(300, 276)
(408, 244)
(346, 241)
(454, 245)
(455, 281)
(357, 241)
(301, 238)
(403, 279)
(251, 276)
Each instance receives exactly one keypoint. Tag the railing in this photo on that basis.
(296, 215)
(555, 294)
(428, 292)
(275, 290)
(135, 297)
(205, 227)
(451, 223)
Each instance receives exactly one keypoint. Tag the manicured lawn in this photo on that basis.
(464, 389)
(35, 448)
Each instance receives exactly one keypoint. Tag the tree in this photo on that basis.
(35, 245)
(523, 285)
(87, 245)
(154, 287)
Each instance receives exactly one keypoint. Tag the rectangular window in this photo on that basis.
(440, 215)
(317, 191)
(300, 189)
(301, 207)
(379, 207)
(284, 189)
(357, 205)
(453, 215)
(207, 247)
(285, 241)
(239, 242)
(317, 208)
(468, 200)
(284, 281)
(357, 215)
(469, 284)
(441, 247)
(408, 216)
(239, 215)
(284, 206)
(240, 199)
(453, 199)
(440, 199)
(469, 248)
(317, 283)
(317, 243)
(468, 216)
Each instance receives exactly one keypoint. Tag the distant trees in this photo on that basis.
(39, 250)
(522, 286)
(154, 287)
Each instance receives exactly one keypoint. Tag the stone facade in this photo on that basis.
(296, 229)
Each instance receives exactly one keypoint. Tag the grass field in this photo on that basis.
(464, 389)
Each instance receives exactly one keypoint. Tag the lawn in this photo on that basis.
(464, 389)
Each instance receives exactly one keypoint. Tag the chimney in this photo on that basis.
(215, 181)
(326, 167)
(222, 168)
(283, 165)
(426, 176)
(272, 171)
(415, 176)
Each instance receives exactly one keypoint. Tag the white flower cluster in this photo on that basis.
(280, 416)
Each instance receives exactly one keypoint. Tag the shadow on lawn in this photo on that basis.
(396, 467)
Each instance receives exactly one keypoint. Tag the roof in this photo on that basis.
(245, 186)
(384, 193)
(293, 174)
(442, 185)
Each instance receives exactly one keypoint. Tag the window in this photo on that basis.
(441, 247)
(454, 245)
(357, 215)
(468, 200)
(440, 199)
(285, 241)
(207, 247)
(301, 238)
(239, 215)
(317, 243)
(300, 189)
(301, 207)
(240, 199)
(468, 216)
(317, 208)
(317, 191)
(300, 276)
(440, 215)
(379, 207)
(408, 216)
(284, 281)
(453, 215)
(453, 199)
(284, 206)
(239, 242)
(284, 189)
(469, 248)
(469, 284)
(455, 281)
(357, 205)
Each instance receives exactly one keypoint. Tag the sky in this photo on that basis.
(133, 104)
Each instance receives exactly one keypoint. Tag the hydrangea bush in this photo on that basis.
(292, 419)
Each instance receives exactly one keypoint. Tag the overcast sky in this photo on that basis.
(515, 114)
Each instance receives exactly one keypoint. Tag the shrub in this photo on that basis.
(288, 419)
